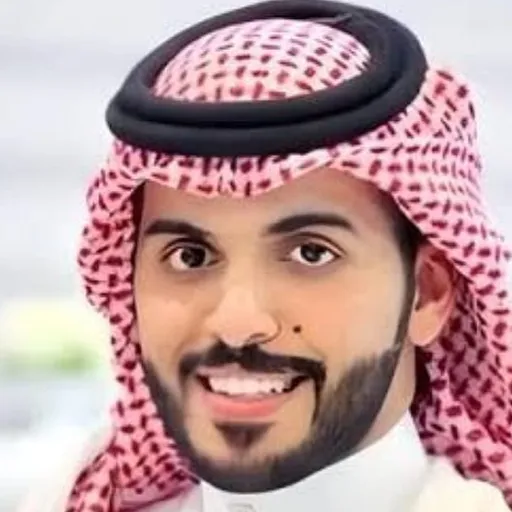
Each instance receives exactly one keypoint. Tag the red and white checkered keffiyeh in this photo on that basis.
(426, 159)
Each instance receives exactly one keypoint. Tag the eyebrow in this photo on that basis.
(285, 225)
(303, 220)
(176, 227)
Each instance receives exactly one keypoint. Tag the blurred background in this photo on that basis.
(60, 62)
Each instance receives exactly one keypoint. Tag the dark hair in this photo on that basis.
(408, 236)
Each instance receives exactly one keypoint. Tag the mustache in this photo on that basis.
(253, 359)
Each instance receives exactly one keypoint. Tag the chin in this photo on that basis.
(234, 441)
(247, 458)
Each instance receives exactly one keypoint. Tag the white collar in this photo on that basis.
(385, 476)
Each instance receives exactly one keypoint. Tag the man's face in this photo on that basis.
(272, 328)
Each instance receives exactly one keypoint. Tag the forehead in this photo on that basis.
(325, 190)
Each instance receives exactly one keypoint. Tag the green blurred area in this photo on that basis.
(50, 336)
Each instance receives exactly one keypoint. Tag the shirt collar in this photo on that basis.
(385, 476)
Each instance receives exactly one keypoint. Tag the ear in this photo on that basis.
(435, 296)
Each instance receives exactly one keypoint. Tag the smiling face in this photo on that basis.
(274, 329)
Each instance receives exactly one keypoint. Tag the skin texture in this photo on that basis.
(335, 301)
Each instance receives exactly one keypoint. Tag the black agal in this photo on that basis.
(392, 80)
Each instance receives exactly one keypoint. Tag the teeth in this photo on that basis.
(248, 386)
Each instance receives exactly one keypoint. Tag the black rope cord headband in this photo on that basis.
(394, 76)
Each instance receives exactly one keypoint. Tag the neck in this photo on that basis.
(384, 476)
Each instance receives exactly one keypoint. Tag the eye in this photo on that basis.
(313, 254)
(189, 257)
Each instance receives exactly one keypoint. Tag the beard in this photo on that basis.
(344, 414)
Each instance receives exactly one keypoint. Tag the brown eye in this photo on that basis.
(313, 254)
(189, 257)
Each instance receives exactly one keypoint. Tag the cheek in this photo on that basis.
(162, 325)
(165, 314)
(349, 319)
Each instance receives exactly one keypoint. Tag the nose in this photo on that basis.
(239, 319)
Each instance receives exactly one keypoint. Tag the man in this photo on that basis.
(307, 299)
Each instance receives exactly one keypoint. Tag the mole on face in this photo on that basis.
(297, 329)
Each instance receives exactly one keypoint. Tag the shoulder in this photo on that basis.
(446, 490)
(51, 494)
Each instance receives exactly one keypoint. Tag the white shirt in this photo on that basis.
(386, 476)
(392, 475)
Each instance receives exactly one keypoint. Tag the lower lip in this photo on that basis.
(243, 407)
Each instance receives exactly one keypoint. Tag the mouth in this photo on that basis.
(250, 386)
(230, 393)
